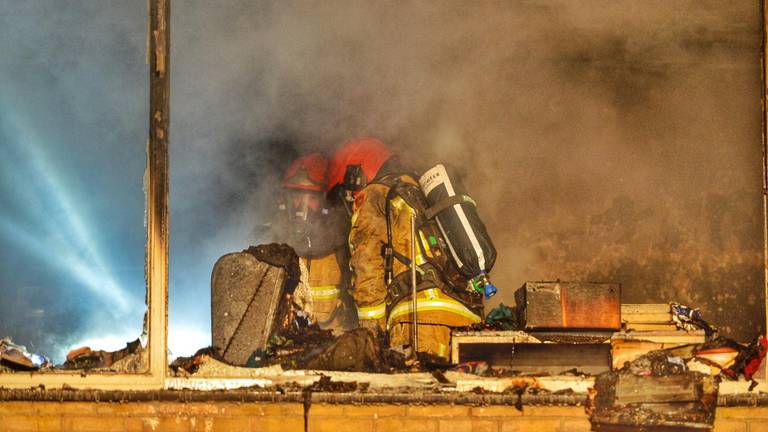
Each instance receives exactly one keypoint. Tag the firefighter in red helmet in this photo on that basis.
(362, 173)
(317, 232)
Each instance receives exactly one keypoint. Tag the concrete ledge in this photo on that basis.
(464, 390)
(276, 396)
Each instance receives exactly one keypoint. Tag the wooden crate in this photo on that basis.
(647, 317)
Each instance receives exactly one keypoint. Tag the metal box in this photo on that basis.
(572, 305)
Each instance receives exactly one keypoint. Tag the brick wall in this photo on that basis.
(266, 417)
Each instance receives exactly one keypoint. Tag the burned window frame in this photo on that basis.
(156, 258)
(764, 138)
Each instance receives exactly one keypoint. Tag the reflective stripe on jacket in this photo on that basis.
(372, 312)
(324, 280)
(327, 292)
(433, 307)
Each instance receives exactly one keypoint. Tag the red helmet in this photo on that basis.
(307, 173)
(369, 153)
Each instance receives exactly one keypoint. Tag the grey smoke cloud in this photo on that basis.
(611, 141)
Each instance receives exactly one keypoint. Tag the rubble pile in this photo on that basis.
(131, 359)
(662, 381)
(653, 392)
(698, 343)
(16, 357)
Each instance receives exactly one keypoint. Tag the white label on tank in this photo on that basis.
(434, 177)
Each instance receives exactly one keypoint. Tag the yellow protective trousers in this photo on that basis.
(437, 314)
(325, 284)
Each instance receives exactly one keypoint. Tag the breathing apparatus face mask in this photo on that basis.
(303, 206)
(312, 227)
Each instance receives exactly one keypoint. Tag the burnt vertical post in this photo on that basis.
(764, 126)
(158, 57)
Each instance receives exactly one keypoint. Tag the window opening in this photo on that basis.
(86, 193)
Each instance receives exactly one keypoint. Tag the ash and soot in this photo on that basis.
(603, 141)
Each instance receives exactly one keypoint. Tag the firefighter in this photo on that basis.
(362, 173)
(317, 232)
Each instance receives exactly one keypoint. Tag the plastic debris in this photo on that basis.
(690, 319)
(722, 357)
(755, 354)
(17, 357)
(502, 317)
(473, 367)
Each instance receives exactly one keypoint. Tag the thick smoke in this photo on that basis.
(612, 141)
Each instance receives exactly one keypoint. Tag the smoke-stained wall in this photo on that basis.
(603, 140)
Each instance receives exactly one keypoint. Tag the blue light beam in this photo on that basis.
(76, 251)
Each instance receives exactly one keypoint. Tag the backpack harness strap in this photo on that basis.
(448, 202)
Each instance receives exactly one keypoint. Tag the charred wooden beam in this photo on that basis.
(764, 130)
(157, 183)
